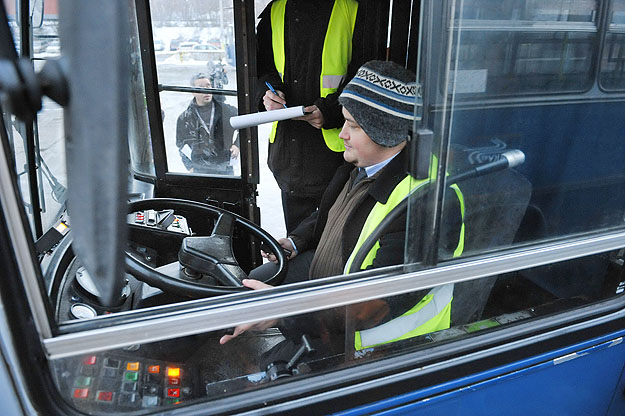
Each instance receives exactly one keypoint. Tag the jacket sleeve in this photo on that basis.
(183, 137)
(303, 235)
(228, 132)
(265, 66)
(331, 110)
(181, 134)
(391, 249)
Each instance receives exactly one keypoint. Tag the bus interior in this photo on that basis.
(124, 266)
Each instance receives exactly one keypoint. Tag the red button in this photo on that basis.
(174, 381)
(105, 396)
(90, 360)
(154, 369)
(81, 393)
(173, 392)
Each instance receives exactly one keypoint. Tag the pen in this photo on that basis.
(272, 90)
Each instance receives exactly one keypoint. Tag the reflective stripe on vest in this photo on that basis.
(431, 314)
(430, 318)
(335, 56)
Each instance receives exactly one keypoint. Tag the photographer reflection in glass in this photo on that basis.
(203, 132)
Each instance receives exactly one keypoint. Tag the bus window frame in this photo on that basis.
(610, 29)
(206, 315)
(598, 25)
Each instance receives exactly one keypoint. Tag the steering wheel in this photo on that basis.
(206, 265)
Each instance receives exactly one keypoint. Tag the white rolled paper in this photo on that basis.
(254, 119)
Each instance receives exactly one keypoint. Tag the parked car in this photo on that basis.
(174, 44)
(207, 47)
(159, 45)
(208, 52)
(187, 46)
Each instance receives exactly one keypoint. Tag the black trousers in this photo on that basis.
(296, 209)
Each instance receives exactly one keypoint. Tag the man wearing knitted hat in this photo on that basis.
(379, 109)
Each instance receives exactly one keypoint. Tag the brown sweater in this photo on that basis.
(328, 259)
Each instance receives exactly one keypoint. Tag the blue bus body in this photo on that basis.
(577, 380)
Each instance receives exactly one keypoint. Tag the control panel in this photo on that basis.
(162, 220)
(118, 382)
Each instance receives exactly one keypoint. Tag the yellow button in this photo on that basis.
(173, 372)
(132, 366)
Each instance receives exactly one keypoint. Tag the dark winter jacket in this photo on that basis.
(210, 153)
(306, 236)
(299, 158)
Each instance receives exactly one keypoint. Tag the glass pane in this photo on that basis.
(16, 133)
(568, 167)
(486, 304)
(612, 75)
(499, 63)
(52, 170)
(46, 35)
(198, 369)
(49, 151)
(12, 13)
(194, 46)
(529, 10)
(139, 136)
(192, 36)
(185, 123)
(511, 47)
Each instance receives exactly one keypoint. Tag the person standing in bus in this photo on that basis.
(379, 107)
(305, 54)
(203, 132)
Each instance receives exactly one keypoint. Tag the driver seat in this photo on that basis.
(495, 205)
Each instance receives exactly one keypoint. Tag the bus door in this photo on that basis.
(197, 60)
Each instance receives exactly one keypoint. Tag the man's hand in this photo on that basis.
(273, 101)
(255, 326)
(315, 118)
(284, 243)
(234, 152)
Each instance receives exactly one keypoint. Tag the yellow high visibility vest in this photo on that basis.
(433, 312)
(335, 57)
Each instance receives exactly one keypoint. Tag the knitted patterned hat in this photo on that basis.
(381, 98)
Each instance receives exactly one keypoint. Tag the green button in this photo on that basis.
(132, 376)
(478, 326)
(82, 381)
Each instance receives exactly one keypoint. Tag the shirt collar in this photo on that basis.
(373, 169)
